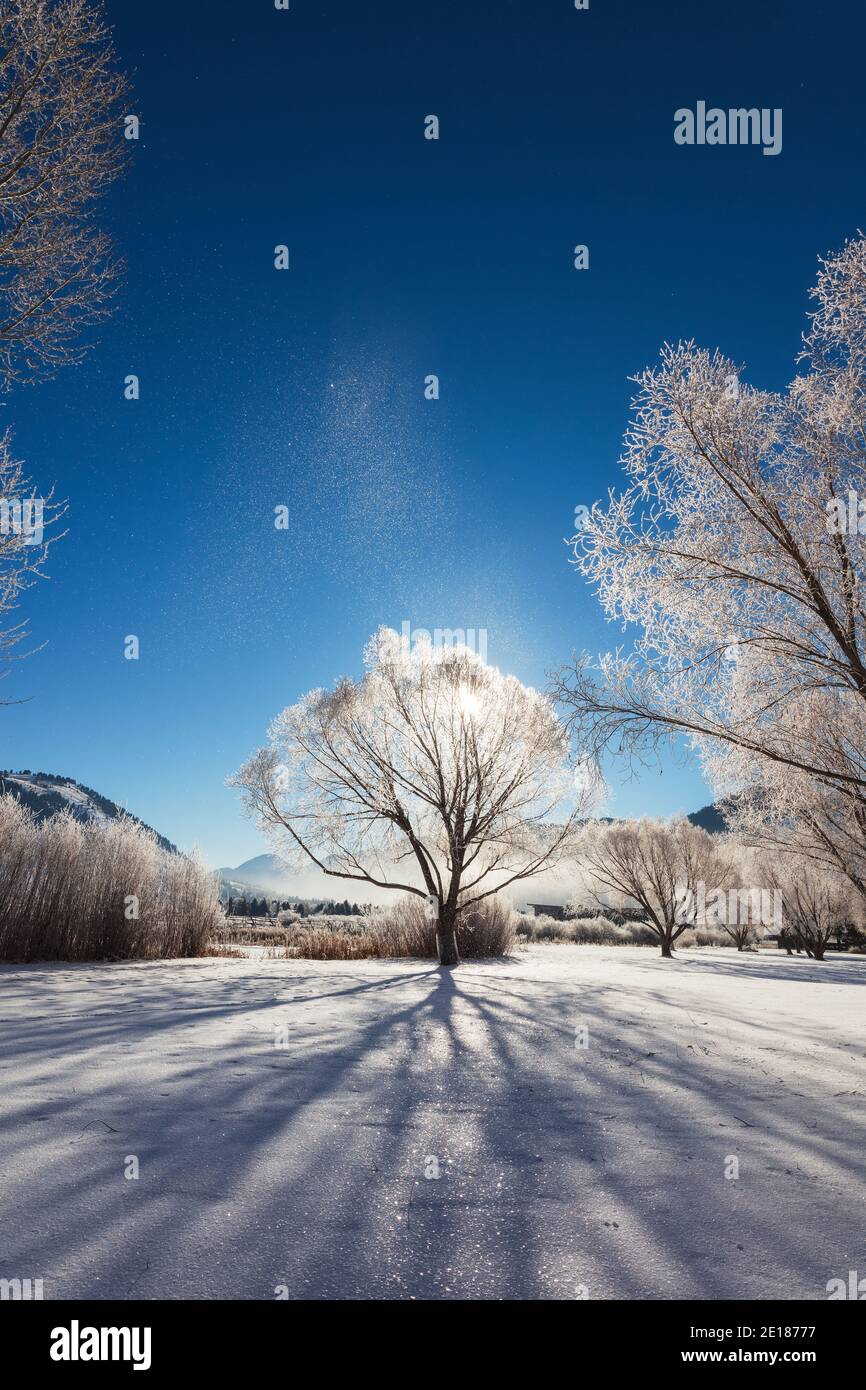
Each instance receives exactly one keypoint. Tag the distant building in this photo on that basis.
(555, 910)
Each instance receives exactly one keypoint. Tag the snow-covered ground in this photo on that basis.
(562, 1169)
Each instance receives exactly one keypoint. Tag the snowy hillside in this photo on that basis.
(46, 793)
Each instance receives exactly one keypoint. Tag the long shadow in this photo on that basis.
(310, 1167)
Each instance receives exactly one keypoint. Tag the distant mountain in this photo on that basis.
(265, 872)
(46, 793)
(711, 818)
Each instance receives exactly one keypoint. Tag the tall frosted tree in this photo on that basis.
(434, 774)
(736, 552)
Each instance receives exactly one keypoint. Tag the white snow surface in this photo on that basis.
(564, 1172)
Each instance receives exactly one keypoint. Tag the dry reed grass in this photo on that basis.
(73, 890)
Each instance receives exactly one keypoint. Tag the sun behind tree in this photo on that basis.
(433, 760)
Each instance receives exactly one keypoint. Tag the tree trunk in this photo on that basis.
(446, 946)
(446, 936)
(667, 950)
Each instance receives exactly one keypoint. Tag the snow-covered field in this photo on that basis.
(283, 1115)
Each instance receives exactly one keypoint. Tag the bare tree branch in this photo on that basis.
(61, 146)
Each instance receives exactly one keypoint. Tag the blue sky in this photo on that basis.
(408, 257)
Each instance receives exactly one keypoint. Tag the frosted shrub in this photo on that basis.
(602, 932)
(487, 929)
(585, 931)
(402, 930)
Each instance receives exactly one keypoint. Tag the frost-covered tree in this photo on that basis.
(737, 550)
(794, 814)
(747, 903)
(656, 864)
(819, 903)
(433, 760)
(61, 145)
